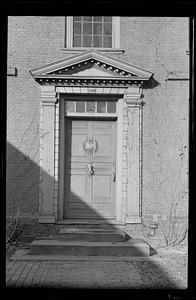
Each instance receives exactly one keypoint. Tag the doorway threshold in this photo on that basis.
(90, 222)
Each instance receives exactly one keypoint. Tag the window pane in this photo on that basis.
(77, 28)
(99, 19)
(87, 18)
(77, 41)
(87, 41)
(107, 41)
(70, 106)
(97, 41)
(93, 31)
(107, 19)
(107, 29)
(97, 28)
(80, 106)
(90, 106)
(111, 107)
(101, 107)
(77, 18)
(87, 28)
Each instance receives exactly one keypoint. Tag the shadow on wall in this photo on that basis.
(22, 183)
(22, 192)
(150, 84)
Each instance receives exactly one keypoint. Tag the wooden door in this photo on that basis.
(90, 182)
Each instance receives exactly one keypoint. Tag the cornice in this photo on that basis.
(88, 81)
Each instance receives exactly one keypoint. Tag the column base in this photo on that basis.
(133, 220)
(47, 220)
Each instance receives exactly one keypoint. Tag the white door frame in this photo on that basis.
(128, 165)
(119, 145)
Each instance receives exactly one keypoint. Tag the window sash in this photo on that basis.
(91, 33)
(115, 34)
(86, 107)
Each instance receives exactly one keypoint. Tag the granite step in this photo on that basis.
(131, 247)
(91, 235)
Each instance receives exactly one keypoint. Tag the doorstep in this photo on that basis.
(109, 222)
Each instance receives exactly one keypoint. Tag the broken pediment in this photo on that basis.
(90, 66)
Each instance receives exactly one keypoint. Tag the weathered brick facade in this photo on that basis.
(156, 44)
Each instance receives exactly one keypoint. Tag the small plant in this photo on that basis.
(173, 232)
(14, 230)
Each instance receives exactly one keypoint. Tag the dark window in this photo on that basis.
(92, 32)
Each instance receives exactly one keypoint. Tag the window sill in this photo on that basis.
(103, 50)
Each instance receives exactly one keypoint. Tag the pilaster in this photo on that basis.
(134, 106)
(48, 100)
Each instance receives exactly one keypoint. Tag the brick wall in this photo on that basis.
(155, 44)
(160, 45)
(32, 42)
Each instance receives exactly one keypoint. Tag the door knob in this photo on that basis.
(90, 169)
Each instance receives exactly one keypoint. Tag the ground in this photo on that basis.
(165, 269)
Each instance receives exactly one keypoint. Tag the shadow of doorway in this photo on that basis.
(27, 169)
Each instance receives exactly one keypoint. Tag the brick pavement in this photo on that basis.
(87, 274)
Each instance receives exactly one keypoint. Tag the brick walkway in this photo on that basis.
(87, 274)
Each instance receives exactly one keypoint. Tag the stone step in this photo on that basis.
(91, 223)
(132, 247)
(91, 235)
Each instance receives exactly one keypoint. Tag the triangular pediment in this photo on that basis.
(89, 68)
(92, 71)
(90, 65)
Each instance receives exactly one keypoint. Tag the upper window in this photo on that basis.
(92, 32)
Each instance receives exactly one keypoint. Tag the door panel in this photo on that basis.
(105, 183)
(90, 195)
(77, 149)
(102, 125)
(104, 144)
(78, 186)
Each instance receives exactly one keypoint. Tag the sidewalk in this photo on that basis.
(95, 273)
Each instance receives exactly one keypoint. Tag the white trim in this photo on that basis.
(56, 159)
(119, 156)
(40, 162)
(61, 159)
(91, 53)
(133, 219)
(48, 100)
(93, 90)
(95, 115)
(133, 101)
(115, 34)
(76, 50)
(119, 160)
(129, 212)
(69, 32)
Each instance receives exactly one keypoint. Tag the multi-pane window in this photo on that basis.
(91, 107)
(92, 32)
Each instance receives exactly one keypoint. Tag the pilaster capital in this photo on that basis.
(133, 96)
(48, 95)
